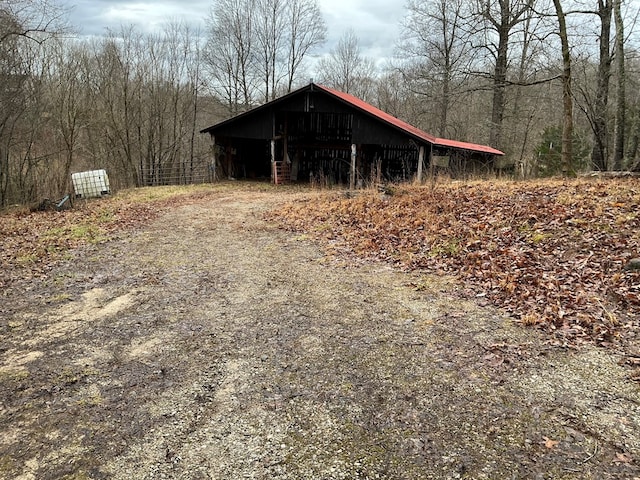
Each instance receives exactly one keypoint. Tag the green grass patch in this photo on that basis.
(27, 259)
(537, 237)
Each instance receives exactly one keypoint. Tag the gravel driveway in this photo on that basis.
(212, 345)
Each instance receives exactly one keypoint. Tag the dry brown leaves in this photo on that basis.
(551, 253)
(31, 241)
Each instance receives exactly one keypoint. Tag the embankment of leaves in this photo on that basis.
(551, 253)
(32, 242)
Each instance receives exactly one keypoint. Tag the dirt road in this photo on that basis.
(210, 344)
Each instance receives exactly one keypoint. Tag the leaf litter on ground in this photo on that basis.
(552, 253)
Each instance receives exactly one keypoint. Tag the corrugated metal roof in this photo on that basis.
(402, 125)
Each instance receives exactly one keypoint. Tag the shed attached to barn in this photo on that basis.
(318, 132)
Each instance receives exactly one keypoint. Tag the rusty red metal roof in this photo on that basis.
(404, 126)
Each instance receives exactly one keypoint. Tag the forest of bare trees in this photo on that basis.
(552, 84)
(126, 102)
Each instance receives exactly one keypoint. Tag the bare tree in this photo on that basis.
(307, 30)
(527, 103)
(391, 93)
(598, 108)
(620, 125)
(255, 47)
(230, 52)
(32, 19)
(28, 158)
(193, 98)
(346, 69)
(499, 20)
(149, 97)
(69, 105)
(24, 26)
(567, 100)
(633, 111)
(286, 30)
(269, 21)
(434, 36)
(120, 92)
(10, 91)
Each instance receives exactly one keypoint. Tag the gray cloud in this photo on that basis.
(94, 17)
(375, 22)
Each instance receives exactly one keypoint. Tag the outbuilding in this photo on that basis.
(317, 133)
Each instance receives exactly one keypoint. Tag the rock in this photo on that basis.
(633, 264)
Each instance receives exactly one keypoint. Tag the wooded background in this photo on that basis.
(552, 84)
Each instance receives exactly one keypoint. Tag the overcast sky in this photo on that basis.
(375, 22)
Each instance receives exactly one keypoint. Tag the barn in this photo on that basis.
(317, 133)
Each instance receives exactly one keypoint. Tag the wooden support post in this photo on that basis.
(213, 168)
(285, 143)
(274, 178)
(285, 148)
(228, 155)
(432, 173)
(420, 164)
(352, 177)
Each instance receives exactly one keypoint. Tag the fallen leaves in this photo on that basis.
(550, 444)
(552, 253)
(30, 242)
(623, 458)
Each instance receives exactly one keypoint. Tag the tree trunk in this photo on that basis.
(4, 176)
(634, 136)
(500, 78)
(618, 150)
(444, 110)
(600, 152)
(567, 101)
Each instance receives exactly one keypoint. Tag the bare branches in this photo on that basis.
(30, 19)
(256, 48)
(346, 69)
(516, 83)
